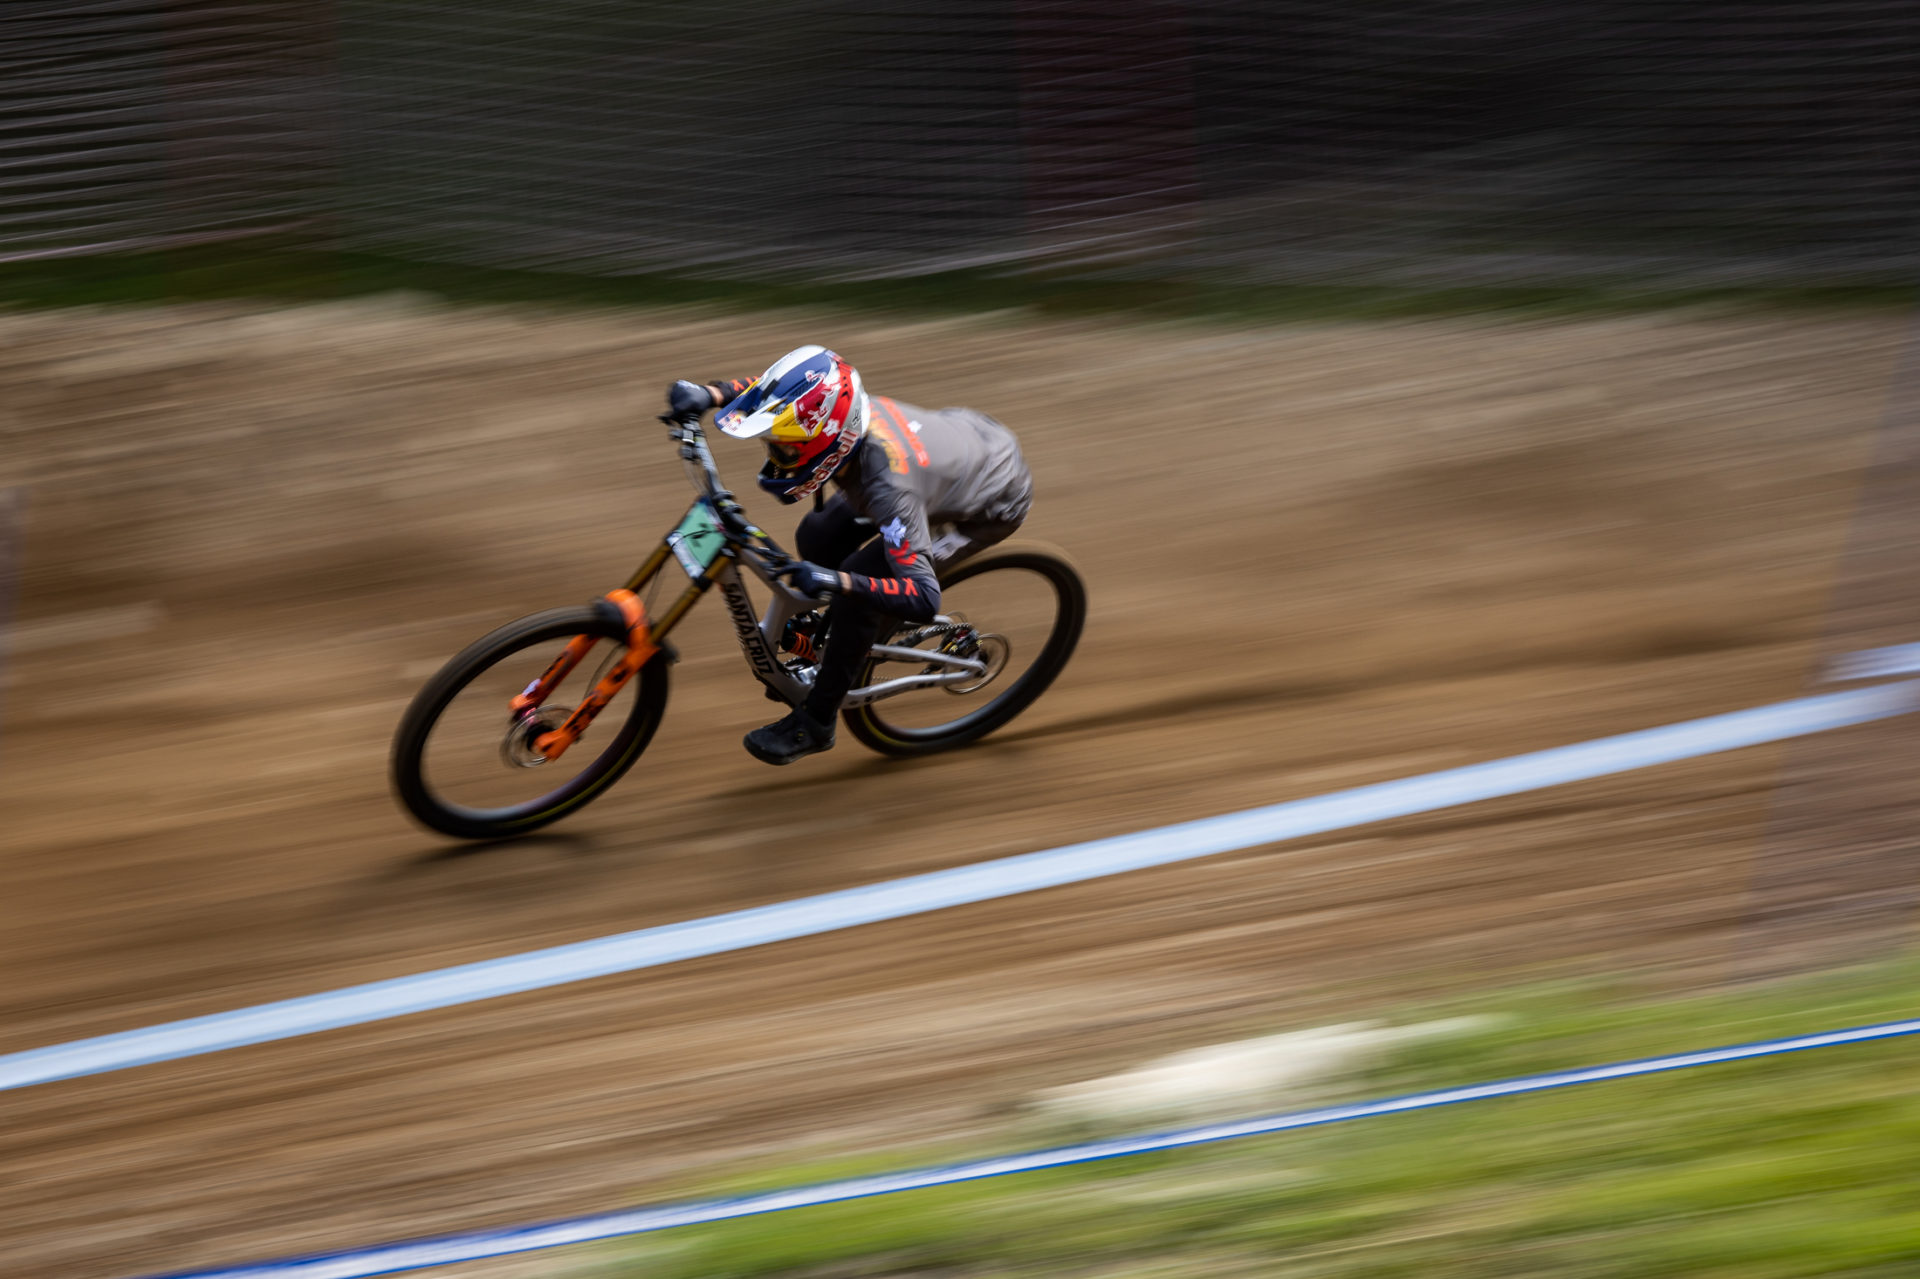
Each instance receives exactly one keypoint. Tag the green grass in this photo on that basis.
(1807, 1164)
(291, 273)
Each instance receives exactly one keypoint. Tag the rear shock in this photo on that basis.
(799, 637)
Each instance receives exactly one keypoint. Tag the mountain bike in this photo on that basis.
(526, 724)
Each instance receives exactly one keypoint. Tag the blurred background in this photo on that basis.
(1414, 384)
(1450, 143)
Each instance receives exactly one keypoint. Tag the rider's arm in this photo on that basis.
(729, 390)
(910, 590)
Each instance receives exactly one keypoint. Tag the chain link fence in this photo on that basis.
(1407, 142)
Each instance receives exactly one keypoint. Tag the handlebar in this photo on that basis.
(698, 458)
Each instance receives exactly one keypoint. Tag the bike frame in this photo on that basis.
(711, 543)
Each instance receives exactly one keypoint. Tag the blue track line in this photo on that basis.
(937, 890)
(385, 1259)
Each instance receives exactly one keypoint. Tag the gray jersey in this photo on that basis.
(936, 468)
(936, 485)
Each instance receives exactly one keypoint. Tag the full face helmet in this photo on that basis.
(812, 412)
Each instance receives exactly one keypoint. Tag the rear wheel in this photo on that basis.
(464, 763)
(1017, 609)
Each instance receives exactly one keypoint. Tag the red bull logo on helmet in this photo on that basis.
(814, 406)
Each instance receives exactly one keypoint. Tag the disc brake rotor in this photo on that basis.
(517, 748)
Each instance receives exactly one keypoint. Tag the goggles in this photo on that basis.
(785, 455)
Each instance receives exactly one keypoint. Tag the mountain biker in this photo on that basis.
(902, 473)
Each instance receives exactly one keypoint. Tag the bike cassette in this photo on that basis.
(982, 646)
(959, 638)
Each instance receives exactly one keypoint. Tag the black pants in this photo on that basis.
(834, 537)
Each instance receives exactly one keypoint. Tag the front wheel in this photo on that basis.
(1020, 610)
(465, 764)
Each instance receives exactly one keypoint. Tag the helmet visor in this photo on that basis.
(755, 413)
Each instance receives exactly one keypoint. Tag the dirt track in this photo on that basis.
(1319, 557)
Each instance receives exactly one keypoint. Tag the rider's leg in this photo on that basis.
(855, 626)
(962, 541)
(808, 728)
(832, 533)
(826, 537)
(829, 537)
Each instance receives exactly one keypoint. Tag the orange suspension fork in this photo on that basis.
(538, 691)
(640, 648)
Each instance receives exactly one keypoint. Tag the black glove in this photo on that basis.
(811, 580)
(688, 399)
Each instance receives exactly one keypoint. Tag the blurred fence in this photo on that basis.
(128, 124)
(1406, 141)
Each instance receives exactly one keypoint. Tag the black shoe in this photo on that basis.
(794, 737)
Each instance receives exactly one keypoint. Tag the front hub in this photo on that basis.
(517, 749)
